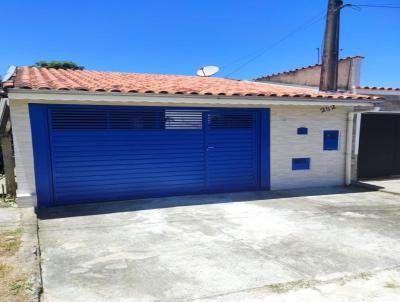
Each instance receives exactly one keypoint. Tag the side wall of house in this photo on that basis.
(24, 166)
(327, 167)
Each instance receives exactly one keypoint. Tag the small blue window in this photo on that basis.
(301, 163)
(302, 131)
(331, 140)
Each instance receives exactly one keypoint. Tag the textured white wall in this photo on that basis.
(327, 167)
(24, 167)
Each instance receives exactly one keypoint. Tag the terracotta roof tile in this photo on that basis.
(84, 80)
(379, 88)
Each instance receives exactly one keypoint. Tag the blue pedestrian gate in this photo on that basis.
(105, 153)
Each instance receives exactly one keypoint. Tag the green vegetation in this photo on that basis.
(8, 201)
(19, 286)
(285, 287)
(365, 276)
(392, 284)
(280, 288)
(58, 65)
(13, 287)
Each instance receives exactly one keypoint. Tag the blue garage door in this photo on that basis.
(103, 153)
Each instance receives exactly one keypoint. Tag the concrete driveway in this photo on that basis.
(218, 247)
(388, 184)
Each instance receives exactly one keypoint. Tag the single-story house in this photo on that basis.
(87, 136)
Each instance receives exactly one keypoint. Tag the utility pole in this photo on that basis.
(330, 57)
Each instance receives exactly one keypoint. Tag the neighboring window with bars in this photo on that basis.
(218, 120)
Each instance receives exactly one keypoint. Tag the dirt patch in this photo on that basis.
(10, 241)
(392, 284)
(285, 287)
(281, 288)
(4, 270)
(14, 284)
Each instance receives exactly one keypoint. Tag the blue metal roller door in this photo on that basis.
(103, 153)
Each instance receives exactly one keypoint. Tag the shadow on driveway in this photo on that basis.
(189, 200)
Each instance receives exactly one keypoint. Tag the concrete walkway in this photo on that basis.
(9, 218)
(388, 185)
(225, 247)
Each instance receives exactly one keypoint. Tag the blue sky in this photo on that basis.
(178, 36)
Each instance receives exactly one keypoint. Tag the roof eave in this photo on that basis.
(377, 91)
(170, 99)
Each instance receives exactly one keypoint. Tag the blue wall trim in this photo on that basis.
(301, 163)
(265, 152)
(41, 153)
(302, 131)
(331, 140)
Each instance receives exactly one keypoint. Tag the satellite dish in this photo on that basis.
(9, 73)
(207, 71)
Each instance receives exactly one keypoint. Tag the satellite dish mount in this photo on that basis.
(207, 71)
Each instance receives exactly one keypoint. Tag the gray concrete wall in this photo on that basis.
(391, 97)
(390, 103)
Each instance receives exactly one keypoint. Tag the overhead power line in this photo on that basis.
(255, 55)
(262, 51)
(395, 6)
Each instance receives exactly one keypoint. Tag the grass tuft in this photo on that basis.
(392, 284)
(19, 286)
(280, 288)
(364, 275)
(8, 201)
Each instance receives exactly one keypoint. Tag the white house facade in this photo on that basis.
(178, 135)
